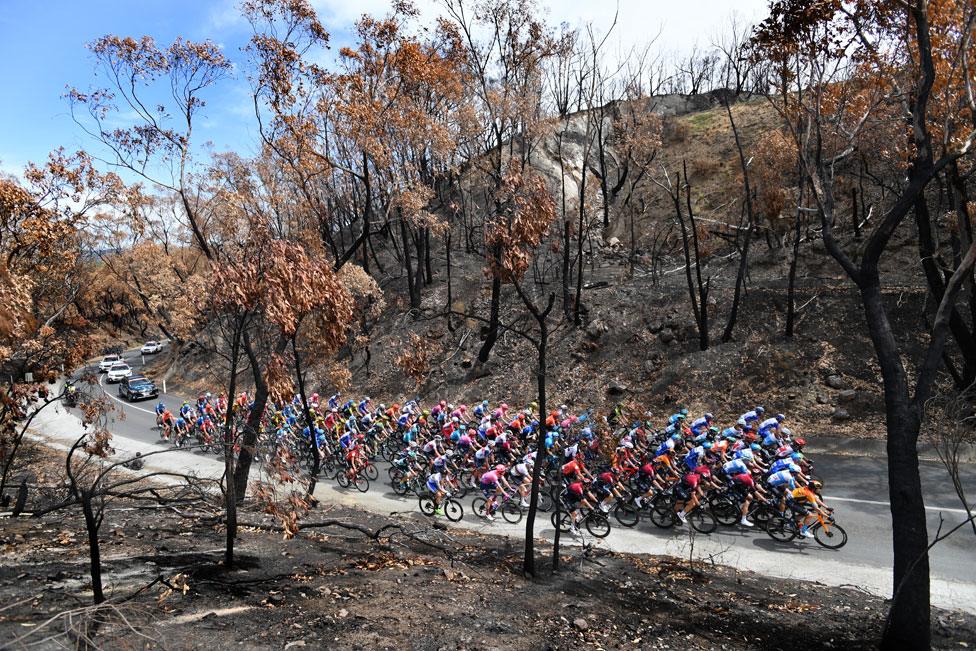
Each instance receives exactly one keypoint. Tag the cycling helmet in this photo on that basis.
(683, 412)
(708, 416)
(437, 437)
(707, 445)
(499, 468)
(760, 410)
(800, 442)
(713, 430)
(209, 395)
(627, 444)
(756, 447)
(780, 418)
(816, 485)
(700, 438)
(747, 455)
(796, 456)
(704, 471)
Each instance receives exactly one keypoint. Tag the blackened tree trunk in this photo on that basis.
(744, 260)
(252, 426)
(309, 421)
(542, 344)
(92, 525)
(230, 483)
(494, 312)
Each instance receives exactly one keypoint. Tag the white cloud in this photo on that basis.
(678, 25)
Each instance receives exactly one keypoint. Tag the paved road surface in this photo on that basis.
(855, 486)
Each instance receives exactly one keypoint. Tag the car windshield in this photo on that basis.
(139, 384)
(111, 358)
(150, 343)
(120, 367)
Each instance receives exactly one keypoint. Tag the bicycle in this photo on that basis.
(594, 520)
(453, 510)
(511, 512)
(825, 530)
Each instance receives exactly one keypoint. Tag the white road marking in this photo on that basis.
(119, 400)
(888, 504)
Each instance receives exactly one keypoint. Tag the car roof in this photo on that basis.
(119, 363)
(112, 356)
(152, 341)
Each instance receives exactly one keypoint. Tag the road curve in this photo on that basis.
(855, 486)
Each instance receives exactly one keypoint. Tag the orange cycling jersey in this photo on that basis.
(803, 493)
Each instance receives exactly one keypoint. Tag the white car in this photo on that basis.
(118, 372)
(108, 362)
(151, 348)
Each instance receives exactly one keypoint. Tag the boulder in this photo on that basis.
(596, 328)
(581, 624)
(836, 382)
(616, 388)
(666, 336)
(656, 326)
(847, 395)
(840, 414)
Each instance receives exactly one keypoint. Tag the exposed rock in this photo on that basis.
(581, 624)
(596, 328)
(666, 336)
(615, 388)
(836, 382)
(847, 395)
(840, 414)
(656, 326)
(822, 399)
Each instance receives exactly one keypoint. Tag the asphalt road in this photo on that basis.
(855, 486)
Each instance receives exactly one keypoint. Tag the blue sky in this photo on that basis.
(42, 49)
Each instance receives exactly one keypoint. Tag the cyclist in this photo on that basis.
(180, 430)
(493, 482)
(806, 500)
(700, 425)
(750, 418)
(435, 485)
(689, 490)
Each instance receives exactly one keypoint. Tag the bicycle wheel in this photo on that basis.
(565, 520)
(598, 525)
(663, 519)
(343, 479)
(478, 506)
(545, 502)
(362, 484)
(763, 514)
(453, 510)
(627, 515)
(511, 512)
(781, 529)
(702, 520)
(725, 512)
(833, 538)
(427, 506)
(371, 472)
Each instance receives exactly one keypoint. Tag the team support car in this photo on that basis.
(151, 348)
(137, 387)
(118, 372)
(108, 362)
